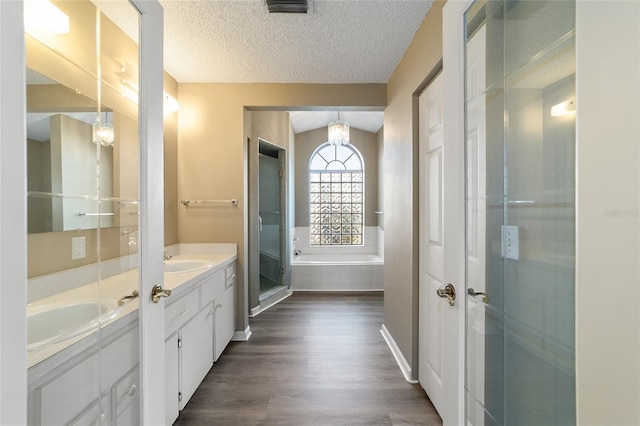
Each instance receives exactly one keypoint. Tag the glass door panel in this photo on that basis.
(520, 198)
(83, 197)
(269, 238)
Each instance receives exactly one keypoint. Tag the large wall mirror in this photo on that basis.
(82, 135)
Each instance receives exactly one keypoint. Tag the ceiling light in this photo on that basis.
(563, 108)
(41, 16)
(339, 132)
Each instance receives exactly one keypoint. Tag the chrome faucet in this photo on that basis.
(167, 256)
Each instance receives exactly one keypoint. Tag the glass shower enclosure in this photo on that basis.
(271, 265)
(520, 198)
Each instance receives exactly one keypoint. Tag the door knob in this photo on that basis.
(157, 292)
(449, 292)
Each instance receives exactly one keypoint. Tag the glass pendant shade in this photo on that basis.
(106, 134)
(103, 134)
(339, 132)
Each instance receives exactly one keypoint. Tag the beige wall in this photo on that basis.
(212, 152)
(171, 201)
(400, 190)
(307, 142)
(608, 218)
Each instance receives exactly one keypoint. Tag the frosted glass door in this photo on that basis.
(520, 199)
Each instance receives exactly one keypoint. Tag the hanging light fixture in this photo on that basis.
(339, 132)
(103, 134)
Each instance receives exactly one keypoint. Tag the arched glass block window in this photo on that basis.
(336, 196)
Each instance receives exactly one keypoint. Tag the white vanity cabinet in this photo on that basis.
(66, 394)
(225, 313)
(198, 326)
(184, 327)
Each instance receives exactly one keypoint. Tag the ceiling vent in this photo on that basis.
(289, 6)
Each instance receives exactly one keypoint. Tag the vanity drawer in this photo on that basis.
(180, 311)
(230, 275)
(212, 288)
(125, 394)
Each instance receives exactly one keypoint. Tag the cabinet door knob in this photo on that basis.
(133, 389)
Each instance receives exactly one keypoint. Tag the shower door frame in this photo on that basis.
(254, 225)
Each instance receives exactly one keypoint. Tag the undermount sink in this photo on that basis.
(185, 265)
(54, 323)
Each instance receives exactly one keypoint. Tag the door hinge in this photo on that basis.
(281, 172)
(179, 396)
(282, 272)
(179, 343)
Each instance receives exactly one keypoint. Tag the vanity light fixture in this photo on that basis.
(339, 132)
(43, 17)
(103, 134)
(128, 76)
(563, 108)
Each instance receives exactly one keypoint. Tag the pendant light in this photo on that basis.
(339, 132)
(103, 134)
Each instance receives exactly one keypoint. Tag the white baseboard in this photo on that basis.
(397, 354)
(242, 336)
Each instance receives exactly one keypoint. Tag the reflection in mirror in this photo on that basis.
(66, 139)
(82, 140)
(60, 160)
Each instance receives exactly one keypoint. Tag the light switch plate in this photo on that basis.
(511, 242)
(78, 248)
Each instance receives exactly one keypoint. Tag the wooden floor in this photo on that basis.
(313, 359)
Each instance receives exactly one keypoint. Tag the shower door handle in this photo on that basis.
(260, 223)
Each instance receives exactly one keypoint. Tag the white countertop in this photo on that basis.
(112, 289)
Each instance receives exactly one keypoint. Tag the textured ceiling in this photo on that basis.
(237, 41)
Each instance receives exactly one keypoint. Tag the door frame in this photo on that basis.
(13, 224)
(151, 125)
(453, 49)
(254, 226)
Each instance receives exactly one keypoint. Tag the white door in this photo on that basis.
(438, 312)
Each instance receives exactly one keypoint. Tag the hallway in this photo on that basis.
(314, 359)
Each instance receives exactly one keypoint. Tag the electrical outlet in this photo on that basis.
(511, 242)
(78, 248)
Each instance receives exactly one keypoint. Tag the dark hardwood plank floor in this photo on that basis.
(313, 359)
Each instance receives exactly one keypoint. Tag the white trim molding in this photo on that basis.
(242, 336)
(397, 354)
(13, 222)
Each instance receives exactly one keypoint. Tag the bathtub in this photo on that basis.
(337, 272)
